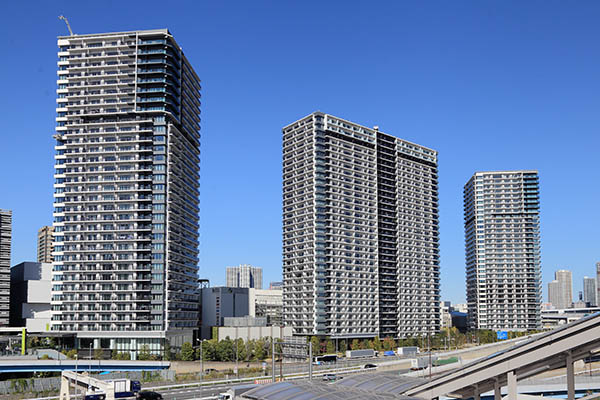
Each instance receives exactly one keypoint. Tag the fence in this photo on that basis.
(49, 384)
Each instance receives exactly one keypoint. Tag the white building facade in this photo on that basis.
(244, 276)
(360, 231)
(589, 291)
(126, 199)
(502, 241)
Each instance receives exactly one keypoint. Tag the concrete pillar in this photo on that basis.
(65, 388)
(570, 378)
(96, 343)
(512, 385)
(476, 394)
(497, 391)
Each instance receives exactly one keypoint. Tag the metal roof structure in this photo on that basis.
(374, 386)
(555, 349)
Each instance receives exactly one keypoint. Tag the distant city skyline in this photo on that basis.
(469, 81)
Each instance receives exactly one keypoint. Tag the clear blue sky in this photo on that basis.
(490, 85)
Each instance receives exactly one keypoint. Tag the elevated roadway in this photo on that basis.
(34, 365)
(556, 349)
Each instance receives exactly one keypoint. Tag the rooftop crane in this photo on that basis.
(67, 22)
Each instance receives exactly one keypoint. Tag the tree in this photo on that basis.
(241, 349)
(187, 352)
(355, 345)
(377, 344)
(224, 350)
(260, 351)
(314, 341)
(98, 354)
(71, 354)
(168, 354)
(343, 346)
(330, 347)
(388, 344)
(144, 353)
(208, 350)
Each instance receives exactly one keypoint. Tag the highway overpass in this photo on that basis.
(33, 365)
(556, 349)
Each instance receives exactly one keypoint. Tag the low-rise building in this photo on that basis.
(445, 316)
(267, 304)
(30, 295)
(552, 318)
(220, 304)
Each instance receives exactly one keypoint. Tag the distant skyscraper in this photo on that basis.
(5, 246)
(589, 291)
(126, 198)
(360, 231)
(502, 236)
(554, 296)
(562, 291)
(45, 245)
(244, 276)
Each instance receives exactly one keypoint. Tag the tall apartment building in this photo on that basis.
(126, 196)
(562, 291)
(554, 293)
(502, 243)
(5, 246)
(45, 244)
(589, 291)
(244, 276)
(360, 231)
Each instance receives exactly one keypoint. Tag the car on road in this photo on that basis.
(148, 395)
(370, 366)
(329, 377)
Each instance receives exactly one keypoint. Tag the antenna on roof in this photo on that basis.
(67, 22)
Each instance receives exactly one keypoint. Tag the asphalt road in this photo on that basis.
(212, 391)
(194, 393)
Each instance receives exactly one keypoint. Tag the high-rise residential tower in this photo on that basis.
(126, 196)
(502, 241)
(360, 231)
(554, 293)
(244, 276)
(45, 244)
(5, 246)
(589, 291)
(563, 293)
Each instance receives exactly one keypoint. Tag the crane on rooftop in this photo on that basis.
(67, 22)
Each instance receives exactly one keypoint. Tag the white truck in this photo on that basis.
(124, 388)
(360, 353)
(236, 391)
(422, 362)
(407, 351)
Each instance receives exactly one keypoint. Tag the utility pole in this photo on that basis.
(429, 346)
(201, 368)
(273, 358)
(237, 374)
(281, 355)
(77, 376)
(309, 360)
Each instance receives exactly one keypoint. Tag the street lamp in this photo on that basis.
(76, 377)
(201, 366)
(90, 367)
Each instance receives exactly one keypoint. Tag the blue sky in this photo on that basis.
(490, 85)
